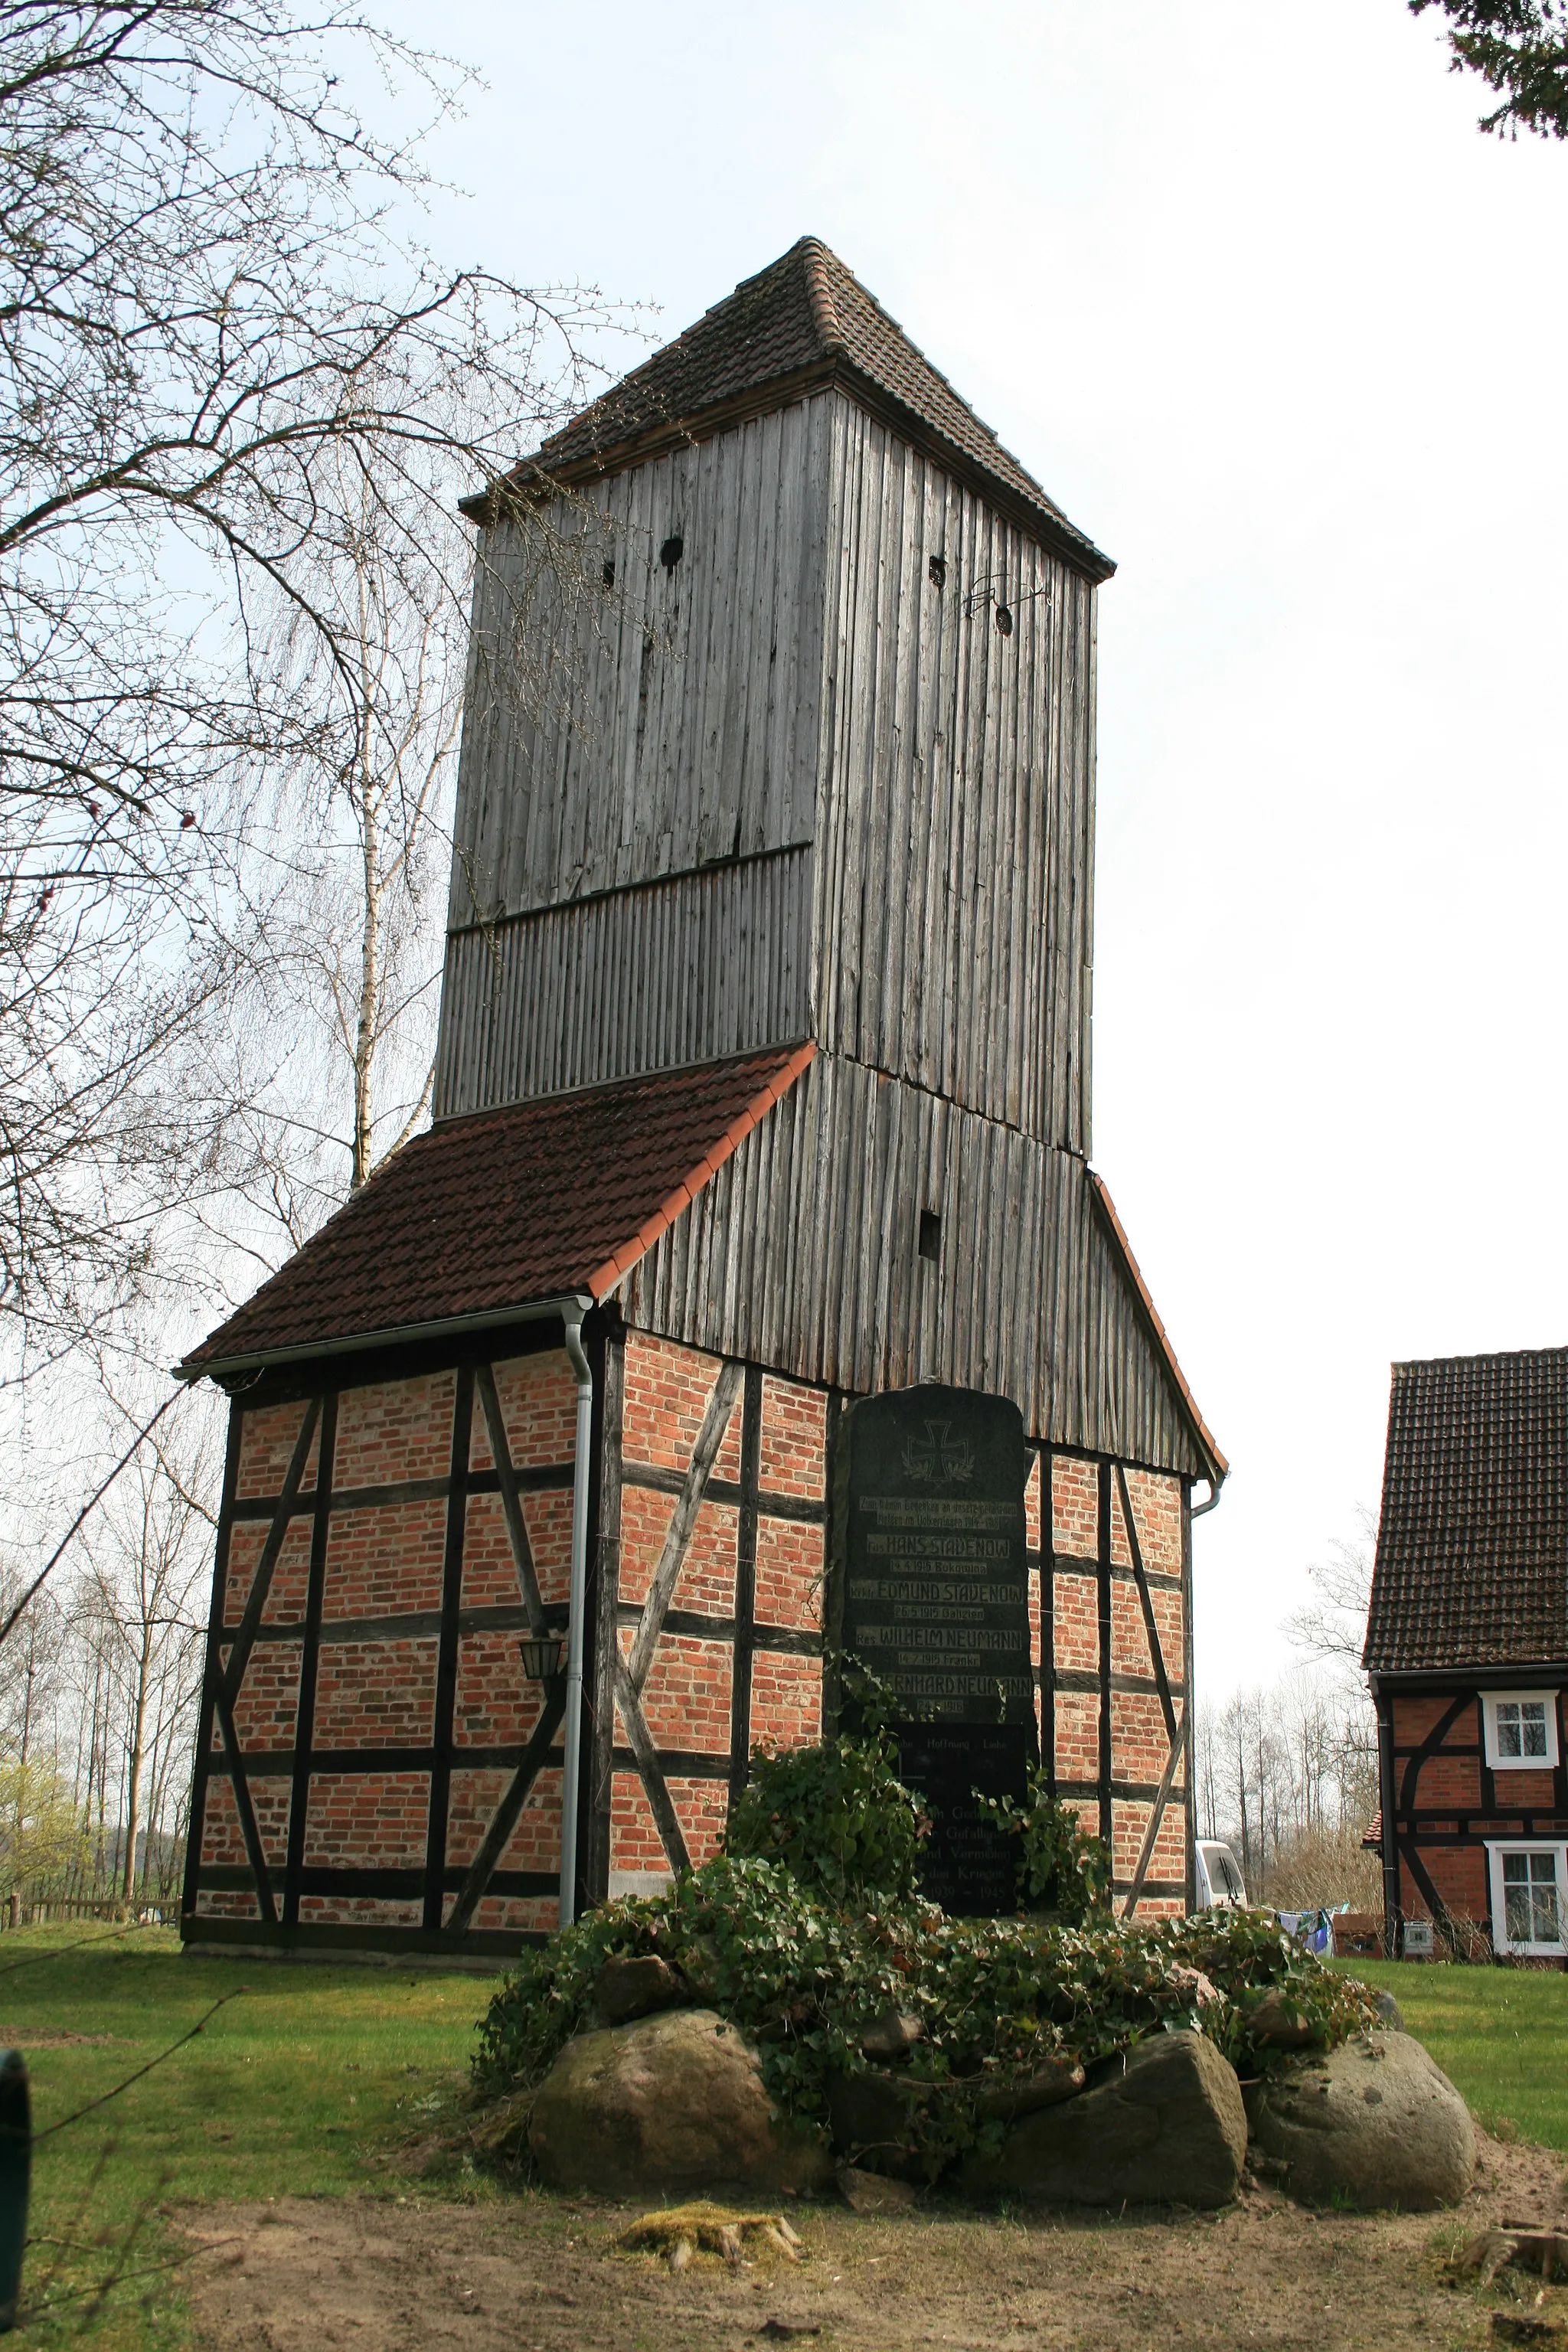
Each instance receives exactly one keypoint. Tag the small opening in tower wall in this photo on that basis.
(930, 1235)
(608, 574)
(1004, 621)
(670, 553)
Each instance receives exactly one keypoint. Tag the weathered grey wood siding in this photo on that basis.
(617, 734)
(956, 818)
(650, 978)
(803, 1254)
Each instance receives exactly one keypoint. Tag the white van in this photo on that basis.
(1220, 1883)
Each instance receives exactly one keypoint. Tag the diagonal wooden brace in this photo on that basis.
(640, 1741)
(683, 1520)
(1156, 1655)
(1157, 1815)
(243, 1640)
(511, 1501)
(507, 1813)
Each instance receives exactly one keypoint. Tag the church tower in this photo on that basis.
(763, 1086)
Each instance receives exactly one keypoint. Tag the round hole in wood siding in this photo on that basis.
(670, 553)
(937, 568)
(609, 572)
(1004, 621)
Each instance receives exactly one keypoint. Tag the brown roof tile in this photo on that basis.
(805, 318)
(1472, 1544)
(539, 1201)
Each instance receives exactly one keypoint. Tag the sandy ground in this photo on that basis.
(537, 2273)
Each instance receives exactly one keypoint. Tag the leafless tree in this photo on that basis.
(141, 1596)
(204, 313)
(1331, 1628)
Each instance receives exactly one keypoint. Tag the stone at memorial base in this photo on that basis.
(1166, 2128)
(1375, 2123)
(672, 2102)
(1277, 2024)
(1047, 2086)
(893, 2035)
(873, 2115)
(870, 2193)
(636, 1987)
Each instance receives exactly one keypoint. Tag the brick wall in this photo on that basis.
(377, 1689)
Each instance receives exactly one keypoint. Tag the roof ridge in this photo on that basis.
(820, 291)
(921, 354)
(1485, 1356)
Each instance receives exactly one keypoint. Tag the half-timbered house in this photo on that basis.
(1467, 1652)
(763, 1083)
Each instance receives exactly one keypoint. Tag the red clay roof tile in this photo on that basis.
(1472, 1542)
(538, 1200)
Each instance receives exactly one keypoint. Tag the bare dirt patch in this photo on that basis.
(532, 2273)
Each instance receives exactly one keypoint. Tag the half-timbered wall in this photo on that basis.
(374, 1768)
(1448, 1801)
(370, 1763)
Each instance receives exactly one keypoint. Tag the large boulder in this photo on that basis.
(1373, 2123)
(674, 2102)
(876, 2115)
(1164, 2126)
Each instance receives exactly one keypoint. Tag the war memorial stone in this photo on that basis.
(930, 1594)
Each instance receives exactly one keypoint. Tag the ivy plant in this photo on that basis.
(1062, 1867)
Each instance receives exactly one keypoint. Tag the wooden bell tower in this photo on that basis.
(763, 1083)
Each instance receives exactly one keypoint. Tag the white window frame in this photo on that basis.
(1547, 1763)
(1495, 1849)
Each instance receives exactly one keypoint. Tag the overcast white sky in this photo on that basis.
(1241, 283)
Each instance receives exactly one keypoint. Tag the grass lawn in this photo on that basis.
(1500, 2033)
(306, 2081)
(299, 2086)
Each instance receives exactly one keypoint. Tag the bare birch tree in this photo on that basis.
(200, 299)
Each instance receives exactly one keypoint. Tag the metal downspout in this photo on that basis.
(577, 1604)
(1196, 1510)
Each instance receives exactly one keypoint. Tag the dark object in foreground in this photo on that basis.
(16, 2171)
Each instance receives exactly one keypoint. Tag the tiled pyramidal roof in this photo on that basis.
(508, 1208)
(1472, 1546)
(804, 322)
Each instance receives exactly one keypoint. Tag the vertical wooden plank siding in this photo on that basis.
(649, 978)
(955, 807)
(803, 1254)
(618, 733)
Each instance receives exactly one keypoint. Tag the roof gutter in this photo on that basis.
(447, 1326)
(1530, 1674)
